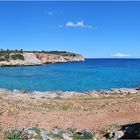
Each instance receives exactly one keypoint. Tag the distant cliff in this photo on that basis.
(58, 57)
(17, 58)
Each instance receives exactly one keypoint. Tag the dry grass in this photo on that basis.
(77, 112)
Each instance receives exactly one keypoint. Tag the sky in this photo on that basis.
(94, 29)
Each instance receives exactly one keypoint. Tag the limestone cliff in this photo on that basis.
(53, 58)
(37, 58)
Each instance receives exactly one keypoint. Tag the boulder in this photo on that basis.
(44, 135)
(118, 134)
(67, 135)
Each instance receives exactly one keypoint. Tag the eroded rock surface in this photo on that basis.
(30, 58)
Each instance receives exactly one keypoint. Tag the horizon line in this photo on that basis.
(111, 58)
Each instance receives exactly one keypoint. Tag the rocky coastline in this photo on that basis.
(68, 94)
(128, 131)
(51, 115)
(36, 58)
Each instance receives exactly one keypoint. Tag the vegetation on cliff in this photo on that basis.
(12, 57)
(62, 53)
(7, 55)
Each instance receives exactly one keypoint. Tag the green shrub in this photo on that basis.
(17, 56)
(87, 135)
(21, 51)
(4, 56)
(84, 136)
(16, 134)
(63, 53)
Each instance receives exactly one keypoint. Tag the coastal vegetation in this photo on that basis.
(16, 134)
(17, 56)
(62, 53)
(111, 132)
(72, 116)
(41, 134)
(24, 58)
(7, 55)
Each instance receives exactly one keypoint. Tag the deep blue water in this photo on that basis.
(77, 76)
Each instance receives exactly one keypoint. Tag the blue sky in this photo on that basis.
(94, 29)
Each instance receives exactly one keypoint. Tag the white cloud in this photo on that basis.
(121, 55)
(70, 24)
(79, 24)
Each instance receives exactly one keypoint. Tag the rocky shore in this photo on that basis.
(129, 131)
(57, 115)
(36, 58)
(68, 94)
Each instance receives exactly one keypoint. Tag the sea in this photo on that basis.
(92, 74)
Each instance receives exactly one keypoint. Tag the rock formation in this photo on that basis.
(53, 58)
(39, 58)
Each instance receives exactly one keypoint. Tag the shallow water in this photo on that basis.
(76, 76)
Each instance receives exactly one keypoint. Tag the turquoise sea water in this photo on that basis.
(76, 76)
